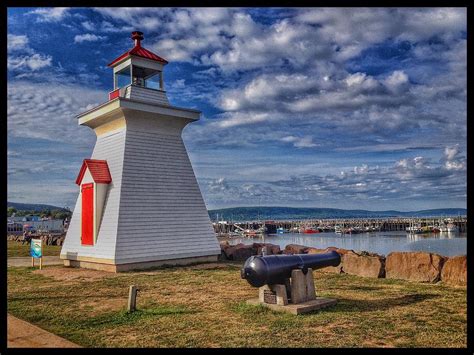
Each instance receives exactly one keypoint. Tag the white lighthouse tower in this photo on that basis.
(139, 203)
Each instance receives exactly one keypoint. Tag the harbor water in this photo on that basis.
(447, 244)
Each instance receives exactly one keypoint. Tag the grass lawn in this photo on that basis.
(17, 249)
(204, 306)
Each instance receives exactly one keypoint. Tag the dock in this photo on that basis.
(377, 224)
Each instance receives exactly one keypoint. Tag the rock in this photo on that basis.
(333, 269)
(454, 271)
(229, 250)
(224, 246)
(242, 252)
(414, 266)
(295, 249)
(222, 256)
(363, 264)
(272, 249)
(239, 252)
(312, 250)
(339, 250)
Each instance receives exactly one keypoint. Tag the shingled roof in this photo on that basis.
(99, 170)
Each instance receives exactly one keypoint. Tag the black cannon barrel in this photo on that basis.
(274, 269)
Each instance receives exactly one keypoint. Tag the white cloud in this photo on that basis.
(87, 37)
(300, 142)
(22, 57)
(48, 111)
(452, 158)
(33, 62)
(88, 25)
(18, 43)
(363, 185)
(50, 14)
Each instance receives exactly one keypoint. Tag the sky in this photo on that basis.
(349, 108)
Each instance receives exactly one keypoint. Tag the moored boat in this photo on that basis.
(309, 230)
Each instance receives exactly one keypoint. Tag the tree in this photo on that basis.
(10, 211)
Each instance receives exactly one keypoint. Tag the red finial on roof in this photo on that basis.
(139, 51)
(137, 36)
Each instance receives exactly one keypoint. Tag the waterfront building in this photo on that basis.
(16, 225)
(139, 202)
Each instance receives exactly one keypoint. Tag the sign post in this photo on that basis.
(36, 251)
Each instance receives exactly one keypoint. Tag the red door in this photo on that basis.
(87, 237)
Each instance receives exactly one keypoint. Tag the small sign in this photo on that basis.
(36, 250)
(269, 296)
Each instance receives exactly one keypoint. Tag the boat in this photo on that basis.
(451, 228)
(309, 230)
(252, 233)
(280, 230)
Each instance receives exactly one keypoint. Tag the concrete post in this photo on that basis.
(298, 286)
(302, 286)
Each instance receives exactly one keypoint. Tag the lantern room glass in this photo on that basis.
(122, 78)
(146, 77)
(139, 76)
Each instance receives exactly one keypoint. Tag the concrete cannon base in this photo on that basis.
(298, 308)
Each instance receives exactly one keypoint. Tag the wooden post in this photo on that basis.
(32, 262)
(132, 298)
(41, 262)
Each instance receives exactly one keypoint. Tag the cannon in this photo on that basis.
(274, 269)
(286, 281)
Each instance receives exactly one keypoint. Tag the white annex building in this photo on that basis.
(139, 203)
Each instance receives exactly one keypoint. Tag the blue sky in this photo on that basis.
(314, 107)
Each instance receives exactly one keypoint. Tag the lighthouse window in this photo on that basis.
(146, 77)
(154, 82)
(122, 78)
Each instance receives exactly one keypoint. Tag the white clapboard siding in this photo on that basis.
(147, 95)
(111, 148)
(162, 212)
(154, 209)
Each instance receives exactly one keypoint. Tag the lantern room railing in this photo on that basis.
(140, 93)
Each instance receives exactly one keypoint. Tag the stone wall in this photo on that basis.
(413, 266)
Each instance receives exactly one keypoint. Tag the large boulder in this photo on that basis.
(224, 246)
(414, 266)
(363, 264)
(230, 249)
(295, 249)
(454, 271)
(333, 269)
(243, 252)
(238, 252)
(272, 249)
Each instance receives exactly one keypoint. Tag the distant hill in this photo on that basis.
(291, 213)
(32, 206)
(285, 213)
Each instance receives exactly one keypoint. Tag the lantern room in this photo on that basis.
(138, 72)
(93, 180)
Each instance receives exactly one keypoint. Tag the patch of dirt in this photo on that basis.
(73, 274)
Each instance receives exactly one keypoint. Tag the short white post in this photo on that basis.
(132, 298)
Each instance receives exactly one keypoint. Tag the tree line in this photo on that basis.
(54, 214)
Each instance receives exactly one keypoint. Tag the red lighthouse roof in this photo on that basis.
(138, 51)
(99, 170)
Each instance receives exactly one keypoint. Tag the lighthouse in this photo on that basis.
(139, 203)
